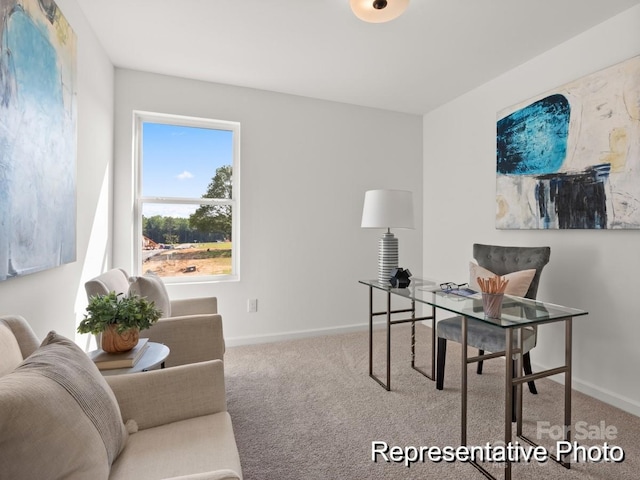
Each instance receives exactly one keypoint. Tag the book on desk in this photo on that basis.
(109, 361)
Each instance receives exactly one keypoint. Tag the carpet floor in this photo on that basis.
(307, 409)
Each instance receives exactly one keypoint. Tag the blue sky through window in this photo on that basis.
(181, 161)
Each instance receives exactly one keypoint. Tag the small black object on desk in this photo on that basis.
(400, 278)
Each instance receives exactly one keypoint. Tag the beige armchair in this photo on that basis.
(192, 330)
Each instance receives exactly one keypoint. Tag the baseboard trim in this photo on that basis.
(293, 335)
(356, 327)
(606, 396)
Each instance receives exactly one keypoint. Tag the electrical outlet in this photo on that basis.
(252, 305)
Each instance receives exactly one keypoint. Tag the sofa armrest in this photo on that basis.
(23, 333)
(217, 475)
(169, 395)
(194, 306)
(191, 338)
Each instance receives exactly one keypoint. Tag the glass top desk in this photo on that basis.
(516, 313)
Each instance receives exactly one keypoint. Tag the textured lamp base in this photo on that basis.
(387, 257)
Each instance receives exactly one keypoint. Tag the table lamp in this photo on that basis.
(387, 209)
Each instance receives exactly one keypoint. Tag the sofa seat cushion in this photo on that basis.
(59, 418)
(482, 335)
(187, 447)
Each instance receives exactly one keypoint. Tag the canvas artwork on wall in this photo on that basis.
(570, 158)
(37, 138)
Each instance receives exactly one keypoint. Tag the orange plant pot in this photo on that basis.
(114, 342)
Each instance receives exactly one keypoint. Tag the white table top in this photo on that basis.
(155, 354)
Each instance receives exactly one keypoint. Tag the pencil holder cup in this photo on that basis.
(492, 304)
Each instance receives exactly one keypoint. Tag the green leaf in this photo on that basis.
(126, 312)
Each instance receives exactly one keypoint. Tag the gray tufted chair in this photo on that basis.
(483, 336)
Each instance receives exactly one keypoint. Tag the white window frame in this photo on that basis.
(140, 117)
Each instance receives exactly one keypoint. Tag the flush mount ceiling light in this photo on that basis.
(378, 11)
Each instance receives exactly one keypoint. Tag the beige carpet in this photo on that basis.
(307, 409)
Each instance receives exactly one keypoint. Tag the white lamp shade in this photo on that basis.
(387, 209)
(364, 10)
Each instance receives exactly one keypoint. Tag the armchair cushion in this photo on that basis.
(152, 287)
(59, 418)
(518, 285)
(178, 449)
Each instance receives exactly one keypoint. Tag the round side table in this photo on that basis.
(155, 355)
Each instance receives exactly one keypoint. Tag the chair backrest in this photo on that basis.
(115, 280)
(502, 260)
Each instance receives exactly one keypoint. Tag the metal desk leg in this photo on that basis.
(515, 379)
(463, 393)
(567, 387)
(431, 376)
(433, 343)
(413, 333)
(508, 396)
(566, 369)
(386, 386)
(371, 332)
(388, 340)
(509, 384)
(519, 387)
(388, 313)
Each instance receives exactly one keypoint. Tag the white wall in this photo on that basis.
(592, 270)
(55, 299)
(305, 165)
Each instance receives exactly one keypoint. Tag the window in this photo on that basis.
(187, 197)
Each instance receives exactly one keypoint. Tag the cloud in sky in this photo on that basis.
(185, 175)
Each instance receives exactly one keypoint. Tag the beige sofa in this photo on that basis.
(59, 418)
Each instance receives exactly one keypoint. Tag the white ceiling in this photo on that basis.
(436, 51)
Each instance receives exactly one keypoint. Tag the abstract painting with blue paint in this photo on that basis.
(570, 158)
(37, 138)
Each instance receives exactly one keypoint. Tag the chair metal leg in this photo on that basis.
(480, 353)
(442, 355)
(526, 365)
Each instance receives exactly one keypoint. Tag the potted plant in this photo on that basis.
(119, 318)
